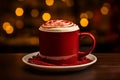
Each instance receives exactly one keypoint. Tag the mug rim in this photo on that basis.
(66, 29)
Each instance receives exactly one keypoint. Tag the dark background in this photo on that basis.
(21, 35)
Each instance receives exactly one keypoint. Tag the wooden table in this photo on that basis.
(106, 68)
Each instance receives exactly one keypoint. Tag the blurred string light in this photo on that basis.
(34, 13)
(84, 19)
(105, 8)
(107, 4)
(46, 16)
(19, 11)
(83, 15)
(34, 40)
(84, 22)
(5, 24)
(90, 14)
(8, 27)
(19, 24)
(49, 2)
(87, 14)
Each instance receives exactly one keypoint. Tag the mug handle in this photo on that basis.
(86, 52)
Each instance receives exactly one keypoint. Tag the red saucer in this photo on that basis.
(31, 60)
(36, 59)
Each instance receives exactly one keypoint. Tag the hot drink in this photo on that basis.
(59, 42)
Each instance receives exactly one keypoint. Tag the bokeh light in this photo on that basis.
(49, 2)
(104, 10)
(34, 40)
(90, 14)
(8, 27)
(34, 13)
(5, 24)
(107, 5)
(84, 22)
(19, 24)
(46, 16)
(83, 15)
(19, 11)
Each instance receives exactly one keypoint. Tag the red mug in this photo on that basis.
(59, 42)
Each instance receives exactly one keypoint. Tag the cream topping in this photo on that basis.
(59, 26)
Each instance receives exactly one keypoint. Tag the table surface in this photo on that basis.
(106, 68)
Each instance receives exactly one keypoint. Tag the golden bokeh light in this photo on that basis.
(90, 14)
(5, 25)
(34, 40)
(8, 27)
(104, 10)
(49, 2)
(83, 15)
(19, 24)
(107, 5)
(34, 13)
(46, 16)
(84, 22)
(19, 11)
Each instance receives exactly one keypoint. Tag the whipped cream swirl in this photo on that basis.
(59, 26)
